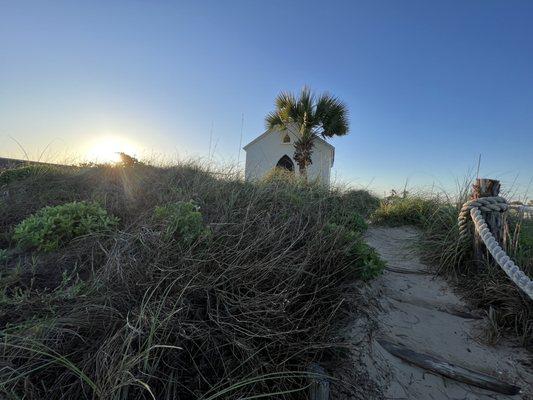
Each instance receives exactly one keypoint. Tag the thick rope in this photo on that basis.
(473, 210)
(484, 204)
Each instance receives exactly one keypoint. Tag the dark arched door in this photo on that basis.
(285, 162)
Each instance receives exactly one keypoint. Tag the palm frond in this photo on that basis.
(326, 116)
(285, 99)
(274, 121)
(306, 106)
(286, 107)
(332, 115)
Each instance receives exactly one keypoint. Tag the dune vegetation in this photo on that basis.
(142, 282)
(486, 287)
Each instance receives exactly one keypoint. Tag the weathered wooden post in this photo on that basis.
(319, 384)
(494, 219)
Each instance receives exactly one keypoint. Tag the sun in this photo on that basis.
(106, 149)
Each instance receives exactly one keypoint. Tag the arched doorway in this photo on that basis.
(285, 162)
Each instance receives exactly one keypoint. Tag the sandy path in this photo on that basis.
(420, 311)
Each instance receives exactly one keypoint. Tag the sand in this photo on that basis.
(419, 310)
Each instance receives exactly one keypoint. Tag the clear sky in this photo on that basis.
(430, 84)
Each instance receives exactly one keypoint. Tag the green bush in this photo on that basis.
(350, 220)
(361, 201)
(52, 227)
(3, 255)
(369, 261)
(350, 209)
(16, 174)
(182, 221)
(364, 258)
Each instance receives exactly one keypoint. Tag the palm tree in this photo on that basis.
(308, 116)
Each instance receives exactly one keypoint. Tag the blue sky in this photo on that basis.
(430, 84)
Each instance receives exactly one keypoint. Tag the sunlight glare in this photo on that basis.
(106, 149)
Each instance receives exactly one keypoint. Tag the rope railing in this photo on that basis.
(472, 210)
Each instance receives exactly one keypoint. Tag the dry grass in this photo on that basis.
(133, 315)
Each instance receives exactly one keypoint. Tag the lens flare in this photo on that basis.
(106, 149)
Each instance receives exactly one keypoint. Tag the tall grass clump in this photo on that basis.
(407, 210)
(204, 288)
(19, 173)
(482, 282)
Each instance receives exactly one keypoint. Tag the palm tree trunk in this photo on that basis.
(303, 149)
(303, 171)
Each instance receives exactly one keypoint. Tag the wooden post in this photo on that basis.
(319, 384)
(494, 219)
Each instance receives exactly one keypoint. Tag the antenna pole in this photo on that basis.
(240, 140)
(210, 139)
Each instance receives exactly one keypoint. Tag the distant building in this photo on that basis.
(276, 149)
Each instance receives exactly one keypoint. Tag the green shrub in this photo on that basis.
(350, 220)
(364, 258)
(357, 223)
(182, 221)
(350, 209)
(361, 201)
(369, 261)
(52, 227)
(3, 255)
(16, 174)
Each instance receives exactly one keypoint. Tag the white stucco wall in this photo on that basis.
(263, 154)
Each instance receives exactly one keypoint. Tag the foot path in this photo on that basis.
(420, 311)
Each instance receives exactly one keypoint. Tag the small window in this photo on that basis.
(286, 139)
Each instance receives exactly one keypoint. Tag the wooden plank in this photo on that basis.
(447, 308)
(408, 271)
(449, 370)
